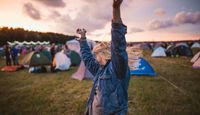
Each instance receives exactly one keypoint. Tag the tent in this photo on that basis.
(47, 54)
(25, 43)
(11, 44)
(62, 62)
(159, 52)
(182, 44)
(75, 58)
(35, 59)
(195, 58)
(142, 68)
(171, 51)
(32, 42)
(196, 64)
(73, 45)
(182, 50)
(1, 52)
(196, 45)
(28, 43)
(82, 73)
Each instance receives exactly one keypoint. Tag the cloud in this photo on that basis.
(157, 24)
(187, 18)
(159, 12)
(54, 14)
(92, 16)
(31, 11)
(53, 3)
(134, 30)
(98, 9)
(180, 18)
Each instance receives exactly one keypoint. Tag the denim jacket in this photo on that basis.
(110, 83)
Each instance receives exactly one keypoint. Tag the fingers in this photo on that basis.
(80, 31)
(117, 1)
(84, 30)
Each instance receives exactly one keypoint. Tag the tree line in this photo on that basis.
(19, 34)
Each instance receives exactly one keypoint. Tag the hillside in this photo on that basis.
(19, 34)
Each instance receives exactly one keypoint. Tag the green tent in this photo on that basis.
(75, 58)
(2, 53)
(47, 54)
(36, 59)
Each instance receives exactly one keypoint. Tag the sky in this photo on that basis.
(147, 20)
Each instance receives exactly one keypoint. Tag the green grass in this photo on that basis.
(22, 93)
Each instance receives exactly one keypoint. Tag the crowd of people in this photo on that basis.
(12, 53)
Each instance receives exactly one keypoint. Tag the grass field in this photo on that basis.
(22, 93)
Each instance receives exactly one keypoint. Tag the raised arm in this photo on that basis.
(119, 57)
(89, 60)
(116, 11)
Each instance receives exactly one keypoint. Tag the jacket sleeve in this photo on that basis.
(119, 57)
(89, 60)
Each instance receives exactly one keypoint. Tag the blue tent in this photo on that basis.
(142, 68)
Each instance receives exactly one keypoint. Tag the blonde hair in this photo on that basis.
(104, 49)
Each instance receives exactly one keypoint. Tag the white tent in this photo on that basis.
(38, 42)
(46, 43)
(62, 61)
(75, 45)
(196, 45)
(28, 43)
(195, 58)
(10, 43)
(159, 52)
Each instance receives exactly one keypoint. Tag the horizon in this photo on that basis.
(148, 20)
(108, 39)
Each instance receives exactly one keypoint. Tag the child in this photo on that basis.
(111, 77)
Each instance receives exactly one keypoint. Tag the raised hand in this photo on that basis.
(116, 11)
(82, 33)
(117, 3)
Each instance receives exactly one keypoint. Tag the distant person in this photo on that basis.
(32, 49)
(14, 55)
(67, 51)
(53, 53)
(109, 94)
(8, 55)
(58, 48)
(24, 51)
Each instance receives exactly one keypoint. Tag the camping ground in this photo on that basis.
(174, 91)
